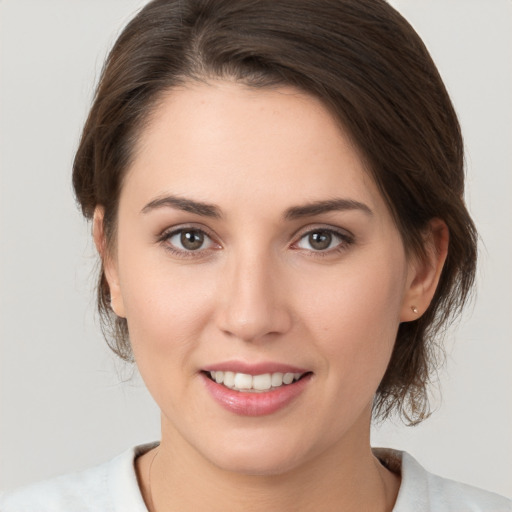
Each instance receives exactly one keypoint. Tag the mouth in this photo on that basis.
(258, 390)
(244, 382)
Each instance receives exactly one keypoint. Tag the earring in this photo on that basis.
(414, 310)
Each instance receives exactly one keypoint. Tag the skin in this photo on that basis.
(258, 290)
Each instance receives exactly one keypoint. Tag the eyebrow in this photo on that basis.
(329, 205)
(187, 205)
(293, 213)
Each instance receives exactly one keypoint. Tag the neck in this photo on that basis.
(347, 477)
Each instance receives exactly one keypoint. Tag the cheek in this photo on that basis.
(166, 305)
(166, 314)
(357, 321)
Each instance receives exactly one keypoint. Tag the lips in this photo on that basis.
(254, 390)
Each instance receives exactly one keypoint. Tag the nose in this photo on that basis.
(252, 304)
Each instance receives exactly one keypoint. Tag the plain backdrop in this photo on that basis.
(65, 402)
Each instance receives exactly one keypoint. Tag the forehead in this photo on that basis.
(229, 142)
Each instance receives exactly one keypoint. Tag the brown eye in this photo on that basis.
(187, 240)
(191, 240)
(320, 240)
(324, 241)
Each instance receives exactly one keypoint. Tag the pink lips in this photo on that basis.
(250, 403)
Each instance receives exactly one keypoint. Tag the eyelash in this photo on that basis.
(345, 241)
(166, 236)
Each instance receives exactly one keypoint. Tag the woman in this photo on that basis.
(276, 196)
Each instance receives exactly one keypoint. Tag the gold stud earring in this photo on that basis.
(414, 310)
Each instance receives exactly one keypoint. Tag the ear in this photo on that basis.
(424, 273)
(108, 262)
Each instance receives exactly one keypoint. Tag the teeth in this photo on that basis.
(262, 382)
(243, 381)
(288, 378)
(277, 380)
(254, 383)
(229, 379)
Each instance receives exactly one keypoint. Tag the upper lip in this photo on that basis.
(253, 368)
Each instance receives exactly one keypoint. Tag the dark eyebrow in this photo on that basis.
(187, 205)
(329, 205)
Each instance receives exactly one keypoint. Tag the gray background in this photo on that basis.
(65, 402)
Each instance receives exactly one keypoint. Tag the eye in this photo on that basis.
(323, 240)
(187, 240)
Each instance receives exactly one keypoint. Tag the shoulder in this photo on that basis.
(80, 492)
(422, 491)
(111, 486)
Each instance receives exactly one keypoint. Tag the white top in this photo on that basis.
(112, 487)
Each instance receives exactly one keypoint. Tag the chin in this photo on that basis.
(256, 459)
(256, 466)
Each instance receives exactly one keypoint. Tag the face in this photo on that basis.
(253, 249)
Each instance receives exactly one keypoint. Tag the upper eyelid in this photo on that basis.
(323, 227)
(166, 234)
(164, 239)
(182, 227)
(346, 239)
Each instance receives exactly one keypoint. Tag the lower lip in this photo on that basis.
(255, 404)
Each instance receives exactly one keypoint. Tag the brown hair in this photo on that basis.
(367, 65)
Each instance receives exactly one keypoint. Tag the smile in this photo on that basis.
(254, 383)
(261, 392)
